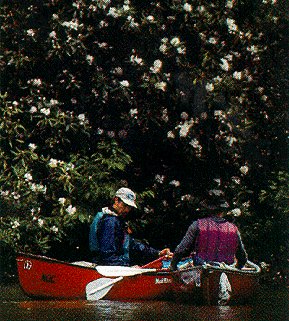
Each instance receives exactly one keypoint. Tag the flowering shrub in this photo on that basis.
(47, 189)
(192, 91)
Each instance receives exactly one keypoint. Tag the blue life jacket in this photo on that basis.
(94, 243)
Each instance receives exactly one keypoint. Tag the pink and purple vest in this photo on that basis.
(217, 241)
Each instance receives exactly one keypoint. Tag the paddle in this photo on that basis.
(97, 289)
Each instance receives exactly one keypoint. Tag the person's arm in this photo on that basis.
(241, 254)
(185, 246)
(139, 248)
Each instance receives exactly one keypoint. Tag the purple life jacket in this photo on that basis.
(217, 241)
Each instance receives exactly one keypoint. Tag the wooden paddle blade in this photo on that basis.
(97, 289)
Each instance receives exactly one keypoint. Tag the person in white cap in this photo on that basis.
(109, 239)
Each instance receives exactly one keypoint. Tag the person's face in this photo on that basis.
(121, 208)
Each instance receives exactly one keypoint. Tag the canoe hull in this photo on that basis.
(243, 287)
(47, 278)
(43, 277)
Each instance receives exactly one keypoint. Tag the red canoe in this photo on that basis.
(48, 278)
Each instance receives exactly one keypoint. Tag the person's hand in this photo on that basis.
(166, 252)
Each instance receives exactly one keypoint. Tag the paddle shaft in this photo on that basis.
(106, 285)
(153, 262)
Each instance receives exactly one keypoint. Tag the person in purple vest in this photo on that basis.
(213, 239)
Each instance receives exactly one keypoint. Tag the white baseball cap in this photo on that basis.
(127, 196)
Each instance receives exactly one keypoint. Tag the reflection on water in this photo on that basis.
(16, 306)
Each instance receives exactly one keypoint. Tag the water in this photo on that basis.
(269, 305)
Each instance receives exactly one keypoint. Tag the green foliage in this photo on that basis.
(43, 196)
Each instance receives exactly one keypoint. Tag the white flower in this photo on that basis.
(52, 34)
(165, 116)
(40, 222)
(35, 82)
(210, 87)
(30, 32)
(4, 193)
(113, 12)
(45, 111)
(195, 143)
(70, 210)
(132, 22)
(236, 180)
(181, 50)
(71, 24)
(171, 135)
(159, 178)
(264, 97)
(230, 4)
(212, 40)
(175, 183)
(82, 119)
(217, 79)
(53, 102)
(62, 200)
(124, 83)
(236, 212)
(246, 204)
(15, 224)
(225, 65)
(125, 8)
(244, 169)
(53, 162)
(163, 48)
(89, 59)
(184, 129)
(103, 24)
(175, 42)
(32, 146)
(216, 192)
(186, 197)
(231, 25)
(150, 18)
(54, 229)
(15, 195)
(118, 71)
(253, 49)
(161, 85)
(136, 60)
(184, 115)
(188, 7)
(237, 75)
(231, 140)
(28, 177)
(133, 112)
(157, 66)
(218, 113)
